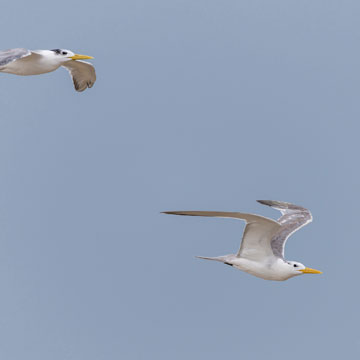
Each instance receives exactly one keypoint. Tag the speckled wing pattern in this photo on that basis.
(82, 73)
(7, 56)
(293, 218)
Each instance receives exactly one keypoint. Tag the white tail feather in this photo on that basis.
(217, 258)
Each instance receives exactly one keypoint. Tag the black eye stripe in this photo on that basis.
(59, 52)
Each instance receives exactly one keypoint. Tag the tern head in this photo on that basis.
(67, 55)
(297, 268)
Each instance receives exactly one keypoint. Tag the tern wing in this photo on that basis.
(293, 218)
(82, 73)
(8, 56)
(256, 241)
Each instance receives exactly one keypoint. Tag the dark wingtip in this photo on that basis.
(176, 213)
(265, 202)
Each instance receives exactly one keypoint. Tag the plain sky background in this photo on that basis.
(199, 105)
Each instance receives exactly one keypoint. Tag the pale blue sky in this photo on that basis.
(199, 105)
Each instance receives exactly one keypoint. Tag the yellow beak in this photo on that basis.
(80, 57)
(310, 271)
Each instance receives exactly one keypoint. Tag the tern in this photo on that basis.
(34, 62)
(263, 243)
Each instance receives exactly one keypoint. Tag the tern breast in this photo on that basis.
(31, 65)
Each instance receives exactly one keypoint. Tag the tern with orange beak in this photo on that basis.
(262, 248)
(34, 62)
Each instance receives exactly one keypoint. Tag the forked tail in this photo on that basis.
(222, 259)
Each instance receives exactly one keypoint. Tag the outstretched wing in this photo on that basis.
(7, 56)
(293, 218)
(256, 241)
(82, 73)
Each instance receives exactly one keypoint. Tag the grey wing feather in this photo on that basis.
(82, 73)
(259, 230)
(221, 214)
(293, 218)
(7, 56)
